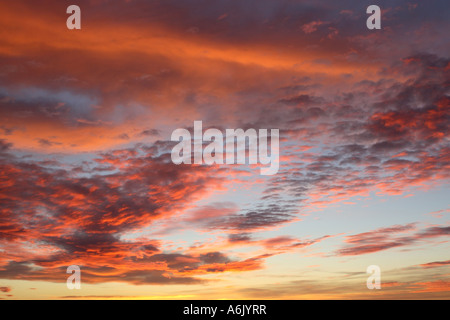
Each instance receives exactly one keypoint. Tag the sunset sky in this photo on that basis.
(86, 176)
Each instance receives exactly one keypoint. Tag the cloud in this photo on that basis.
(288, 243)
(435, 264)
(87, 215)
(150, 132)
(83, 178)
(387, 238)
(312, 26)
(432, 286)
(4, 145)
(272, 216)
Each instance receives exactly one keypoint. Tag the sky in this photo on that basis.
(86, 176)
